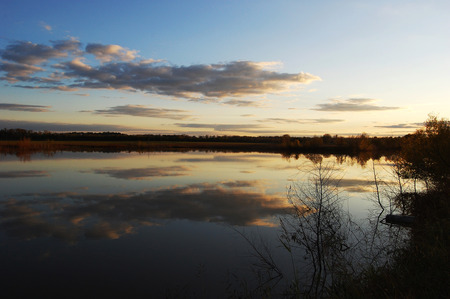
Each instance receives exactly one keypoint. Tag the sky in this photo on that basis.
(255, 68)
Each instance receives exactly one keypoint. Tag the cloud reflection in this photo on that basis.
(358, 185)
(23, 174)
(219, 158)
(71, 216)
(143, 173)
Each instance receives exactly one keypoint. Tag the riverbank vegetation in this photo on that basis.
(422, 268)
(334, 257)
(21, 140)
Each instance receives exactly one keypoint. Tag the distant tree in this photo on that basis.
(425, 154)
(327, 139)
(364, 143)
(286, 140)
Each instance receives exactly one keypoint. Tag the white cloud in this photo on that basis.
(46, 26)
(107, 53)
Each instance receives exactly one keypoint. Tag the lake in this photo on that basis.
(157, 224)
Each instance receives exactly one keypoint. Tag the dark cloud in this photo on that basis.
(402, 126)
(30, 53)
(120, 68)
(71, 216)
(63, 127)
(18, 72)
(352, 105)
(22, 174)
(36, 80)
(243, 184)
(144, 173)
(234, 79)
(68, 45)
(20, 107)
(140, 110)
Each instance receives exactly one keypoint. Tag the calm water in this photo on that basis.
(147, 225)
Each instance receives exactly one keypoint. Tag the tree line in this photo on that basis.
(362, 142)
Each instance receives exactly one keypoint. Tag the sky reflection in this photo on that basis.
(148, 221)
(71, 216)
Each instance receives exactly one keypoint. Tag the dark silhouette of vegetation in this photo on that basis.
(421, 269)
(416, 267)
(320, 227)
(426, 155)
(13, 139)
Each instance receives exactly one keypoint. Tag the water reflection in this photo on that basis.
(70, 216)
(23, 174)
(143, 173)
(146, 221)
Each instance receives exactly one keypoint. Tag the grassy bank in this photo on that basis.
(27, 145)
(70, 145)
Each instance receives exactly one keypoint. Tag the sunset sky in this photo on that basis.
(224, 67)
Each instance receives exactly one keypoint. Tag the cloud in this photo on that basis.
(71, 45)
(353, 105)
(121, 68)
(63, 127)
(254, 129)
(242, 128)
(64, 88)
(27, 108)
(143, 111)
(234, 79)
(46, 26)
(18, 72)
(243, 184)
(22, 174)
(71, 216)
(23, 59)
(243, 103)
(30, 53)
(302, 121)
(402, 126)
(143, 173)
(222, 127)
(107, 53)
